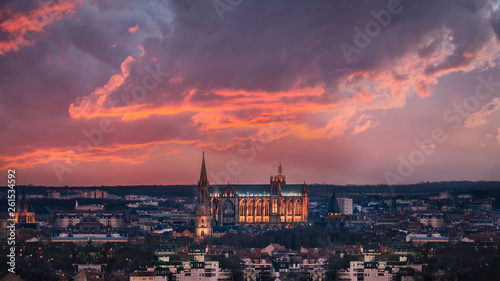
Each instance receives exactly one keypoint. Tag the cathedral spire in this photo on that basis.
(334, 207)
(203, 175)
(280, 170)
(203, 206)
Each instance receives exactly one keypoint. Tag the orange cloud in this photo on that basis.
(94, 105)
(224, 115)
(88, 105)
(22, 28)
(128, 153)
(133, 29)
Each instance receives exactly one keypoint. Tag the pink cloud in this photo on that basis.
(23, 28)
(480, 117)
(94, 104)
(133, 29)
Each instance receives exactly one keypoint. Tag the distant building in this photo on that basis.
(432, 220)
(90, 207)
(89, 275)
(183, 231)
(420, 239)
(95, 194)
(72, 219)
(339, 205)
(275, 261)
(196, 268)
(374, 268)
(164, 251)
(90, 267)
(134, 197)
(149, 275)
(143, 204)
(90, 239)
(23, 215)
(54, 194)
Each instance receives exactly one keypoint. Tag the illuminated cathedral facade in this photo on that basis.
(277, 204)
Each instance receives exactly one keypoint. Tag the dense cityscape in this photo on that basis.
(92, 234)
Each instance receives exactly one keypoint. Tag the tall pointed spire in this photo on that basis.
(280, 170)
(203, 175)
(334, 207)
(203, 206)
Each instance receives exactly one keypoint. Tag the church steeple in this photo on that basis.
(203, 206)
(203, 175)
(333, 207)
(277, 182)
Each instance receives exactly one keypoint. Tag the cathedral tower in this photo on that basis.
(203, 206)
(277, 206)
(23, 215)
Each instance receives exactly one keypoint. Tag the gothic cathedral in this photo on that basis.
(277, 204)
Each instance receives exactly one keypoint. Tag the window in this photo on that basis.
(298, 208)
(228, 211)
(275, 206)
(250, 208)
(258, 208)
(242, 207)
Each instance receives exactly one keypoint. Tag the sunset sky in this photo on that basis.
(345, 92)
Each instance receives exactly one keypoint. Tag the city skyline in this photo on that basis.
(372, 92)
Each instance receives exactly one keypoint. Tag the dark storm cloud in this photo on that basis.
(269, 45)
(261, 45)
